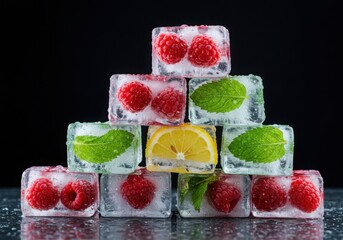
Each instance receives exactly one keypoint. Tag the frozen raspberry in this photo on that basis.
(223, 196)
(78, 195)
(134, 96)
(138, 191)
(267, 195)
(170, 48)
(203, 52)
(169, 103)
(304, 195)
(42, 194)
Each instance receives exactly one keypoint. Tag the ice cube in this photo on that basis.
(257, 150)
(103, 148)
(191, 51)
(54, 191)
(213, 195)
(147, 100)
(300, 195)
(182, 149)
(139, 194)
(228, 100)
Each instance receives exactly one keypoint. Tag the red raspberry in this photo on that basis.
(223, 196)
(42, 194)
(203, 52)
(134, 96)
(138, 191)
(78, 195)
(267, 195)
(169, 103)
(304, 195)
(170, 48)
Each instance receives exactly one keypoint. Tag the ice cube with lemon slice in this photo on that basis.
(185, 148)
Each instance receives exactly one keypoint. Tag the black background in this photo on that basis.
(57, 59)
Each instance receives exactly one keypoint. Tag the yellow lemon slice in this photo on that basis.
(186, 143)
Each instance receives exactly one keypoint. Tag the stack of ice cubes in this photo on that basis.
(251, 173)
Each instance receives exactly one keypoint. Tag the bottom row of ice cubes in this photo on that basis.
(55, 191)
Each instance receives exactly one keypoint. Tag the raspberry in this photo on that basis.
(78, 195)
(304, 195)
(267, 195)
(203, 52)
(138, 191)
(134, 96)
(42, 194)
(223, 196)
(169, 103)
(170, 48)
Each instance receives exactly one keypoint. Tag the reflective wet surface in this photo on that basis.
(13, 226)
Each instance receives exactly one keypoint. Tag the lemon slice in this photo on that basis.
(181, 147)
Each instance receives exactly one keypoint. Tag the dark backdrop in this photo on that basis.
(57, 60)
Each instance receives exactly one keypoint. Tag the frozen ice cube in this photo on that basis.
(191, 51)
(300, 195)
(103, 148)
(139, 194)
(257, 150)
(213, 195)
(54, 191)
(147, 100)
(182, 149)
(228, 100)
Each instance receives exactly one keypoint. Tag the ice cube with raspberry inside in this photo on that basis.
(55, 191)
(299, 195)
(191, 51)
(139, 194)
(213, 195)
(103, 148)
(144, 99)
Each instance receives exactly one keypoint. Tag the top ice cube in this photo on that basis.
(191, 51)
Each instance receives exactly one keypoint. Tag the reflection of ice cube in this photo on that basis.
(234, 165)
(112, 203)
(241, 209)
(60, 177)
(147, 116)
(289, 210)
(250, 112)
(219, 34)
(126, 162)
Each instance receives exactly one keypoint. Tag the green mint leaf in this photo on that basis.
(220, 96)
(100, 149)
(259, 145)
(198, 194)
(183, 187)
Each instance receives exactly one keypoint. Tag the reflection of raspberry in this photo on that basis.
(304, 195)
(170, 48)
(138, 191)
(223, 196)
(134, 96)
(203, 52)
(42, 194)
(267, 195)
(169, 103)
(78, 195)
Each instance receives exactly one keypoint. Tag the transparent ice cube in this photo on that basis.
(103, 148)
(39, 183)
(259, 150)
(114, 204)
(189, 186)
(182, 66)
(229, 100)
(300, 195)
(161, 102)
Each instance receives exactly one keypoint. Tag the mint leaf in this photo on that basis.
(198, 194)
(220, 96)
(100, 149)
(259, 145)
(183, 187)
